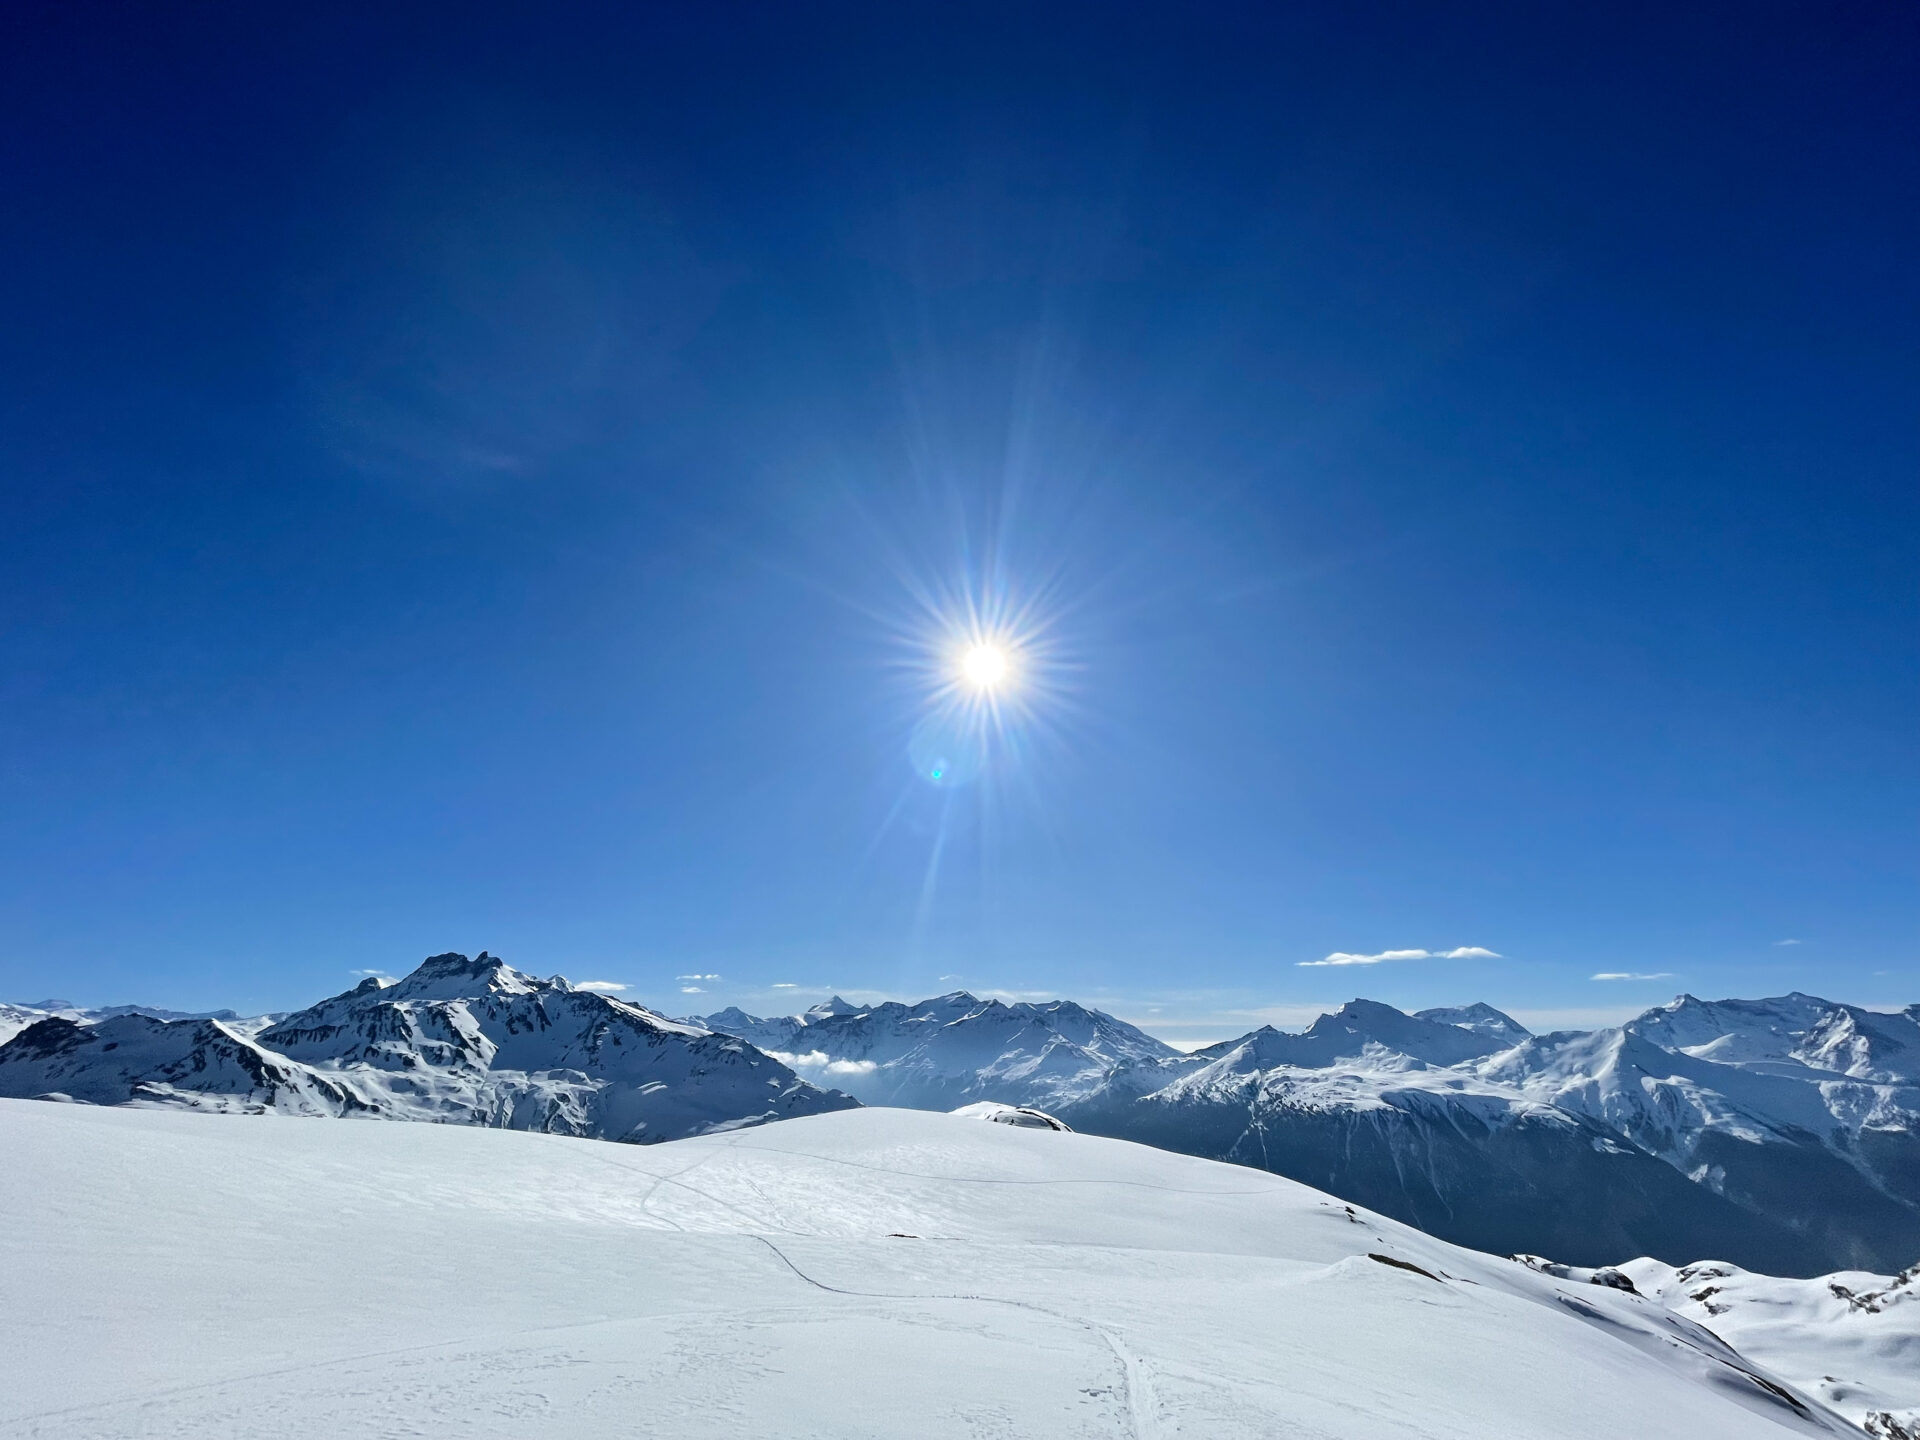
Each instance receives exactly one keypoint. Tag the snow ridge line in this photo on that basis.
(988, 1180)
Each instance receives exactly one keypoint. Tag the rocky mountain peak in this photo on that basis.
(1479, 1017)
(825, 1010)
(453, 976)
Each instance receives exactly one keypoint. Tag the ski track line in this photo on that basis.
(1133, 1375)
(671, 1178)
(1133, 1379)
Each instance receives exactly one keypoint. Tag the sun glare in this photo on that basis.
(984, 666)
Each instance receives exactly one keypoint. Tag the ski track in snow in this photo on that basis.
(1139, 1401)
(252, 1277)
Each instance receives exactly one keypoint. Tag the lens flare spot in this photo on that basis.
(946, 751)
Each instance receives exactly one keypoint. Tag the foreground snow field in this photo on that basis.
(1853, 1339)
(866, 1273)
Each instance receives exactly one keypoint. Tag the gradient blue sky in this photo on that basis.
(474, 479)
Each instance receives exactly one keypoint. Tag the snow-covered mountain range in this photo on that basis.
(949, 1051)
(470, 1042)
(861, 1274)
(15, 1018)
(1783, 1133)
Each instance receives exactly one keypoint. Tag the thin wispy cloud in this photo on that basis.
(692, 990)
(1786, 942)
(697, 977)
(1632, 975)
(785, 985)
(1344, 957)
(605, 987)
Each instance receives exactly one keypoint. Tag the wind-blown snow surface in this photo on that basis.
(867, 1273)
(1853, 1338)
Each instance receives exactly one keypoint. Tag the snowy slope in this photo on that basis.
(1852, 1338)
(951, 1050)
(868, 1273)
(1479, 1017)
(470, 1042)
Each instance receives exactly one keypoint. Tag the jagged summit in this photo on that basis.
(461, 1041)
(454, 977)
(1783, 1033)
(824, 1010)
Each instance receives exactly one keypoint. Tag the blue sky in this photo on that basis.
(513, 482)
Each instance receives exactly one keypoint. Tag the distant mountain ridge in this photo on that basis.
(15, 1018)
(1783, 1134)
(472, 1042)
(952, 1050)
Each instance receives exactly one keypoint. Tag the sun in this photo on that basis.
(984, 666)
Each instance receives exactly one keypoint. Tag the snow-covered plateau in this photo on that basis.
(867, 1273)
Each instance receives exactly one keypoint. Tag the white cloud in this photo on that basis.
(376, 974)
(1786, 942)
(696, 977)
(817, 1060)
(691, 990)
(1630, 975)
(608, 987)
(1343, 957)
(785, 985)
